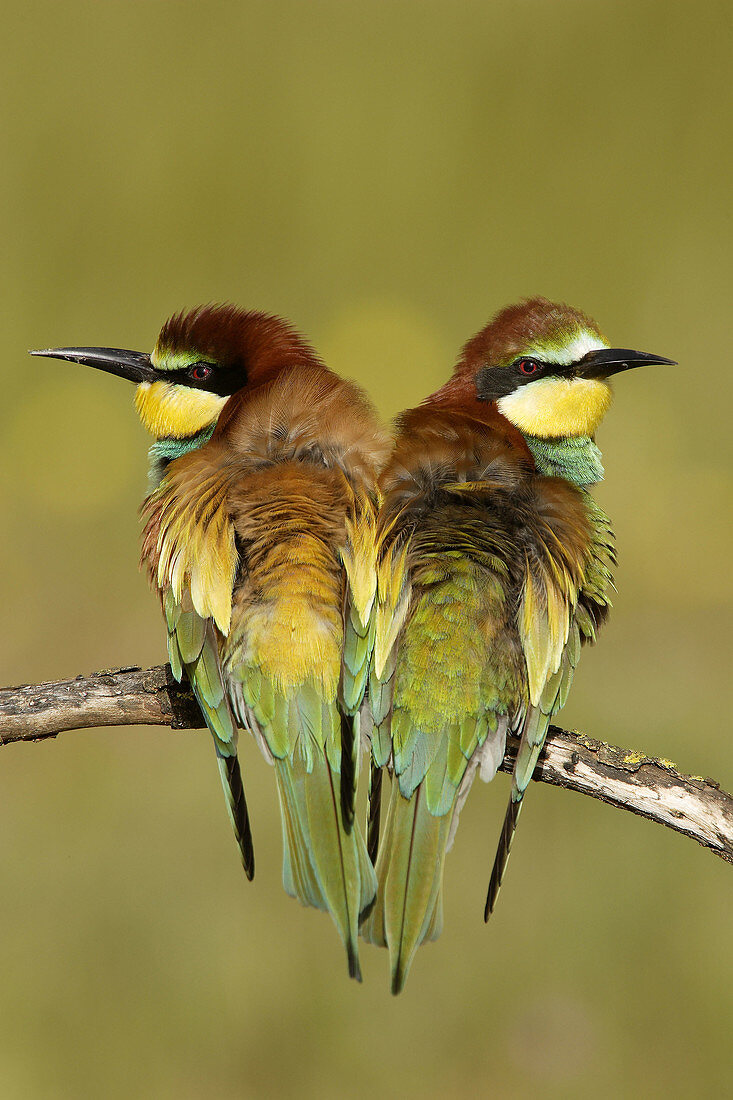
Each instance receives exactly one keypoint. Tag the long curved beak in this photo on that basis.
(607, 361)
(133, 365)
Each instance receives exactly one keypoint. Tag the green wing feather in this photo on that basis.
(193, 652)
(532, 738)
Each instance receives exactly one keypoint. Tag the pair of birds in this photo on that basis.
(328, 589)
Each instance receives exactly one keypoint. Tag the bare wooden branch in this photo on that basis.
(630, 780)
(113, 697)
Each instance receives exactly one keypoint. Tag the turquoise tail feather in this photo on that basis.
(409, 909)
(323, 865)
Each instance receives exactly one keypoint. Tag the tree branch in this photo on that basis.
(629, 780)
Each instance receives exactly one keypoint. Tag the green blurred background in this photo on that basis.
(387, 175)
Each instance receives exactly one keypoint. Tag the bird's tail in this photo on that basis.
(323, 865)
(409, 906)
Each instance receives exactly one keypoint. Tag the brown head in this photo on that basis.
(545, 366)
(200, 359)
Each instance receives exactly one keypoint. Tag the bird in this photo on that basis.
(259, 535)
(494, 569)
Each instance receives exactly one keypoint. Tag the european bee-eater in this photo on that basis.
(259, 536)
(493, 571)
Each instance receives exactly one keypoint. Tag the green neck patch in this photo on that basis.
(164, 451)
(577, 459)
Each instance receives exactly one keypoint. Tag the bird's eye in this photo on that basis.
(528, 366)
(199, 372)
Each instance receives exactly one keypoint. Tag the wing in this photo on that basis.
(566, 596)
(190, 554)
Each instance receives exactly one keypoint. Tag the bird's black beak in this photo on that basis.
(607, 361)
(133, 365)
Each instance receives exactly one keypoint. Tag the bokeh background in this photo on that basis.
(387, 175)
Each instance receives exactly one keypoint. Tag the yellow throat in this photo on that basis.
(556, 407)
(171, 411)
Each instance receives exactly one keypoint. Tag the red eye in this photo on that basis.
(199, 372)
(528, 366)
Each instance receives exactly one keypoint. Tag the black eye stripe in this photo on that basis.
(493, 383)
(222, 379)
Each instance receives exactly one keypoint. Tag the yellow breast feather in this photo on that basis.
(288, 607)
